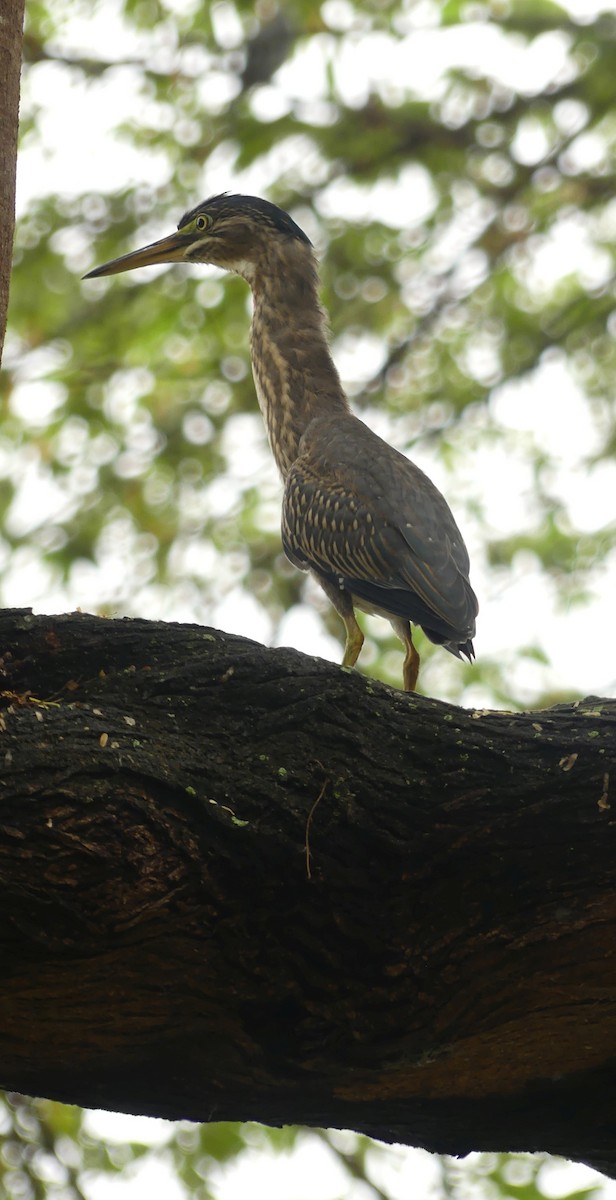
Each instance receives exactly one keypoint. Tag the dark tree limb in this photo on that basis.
(242, 883)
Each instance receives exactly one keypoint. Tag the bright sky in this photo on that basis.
(516, 610)
(310, 1172)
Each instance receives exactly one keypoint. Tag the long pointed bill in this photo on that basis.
(168, 249)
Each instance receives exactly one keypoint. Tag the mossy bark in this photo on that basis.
(242, 883)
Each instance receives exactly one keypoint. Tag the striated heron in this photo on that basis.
(371, 527)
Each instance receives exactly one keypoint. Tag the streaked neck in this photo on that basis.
(295, 376)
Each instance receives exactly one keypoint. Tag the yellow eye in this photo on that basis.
(201, 223)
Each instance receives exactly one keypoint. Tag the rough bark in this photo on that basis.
(243, 883)
(11, 33)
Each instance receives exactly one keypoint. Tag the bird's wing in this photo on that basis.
(357, 511)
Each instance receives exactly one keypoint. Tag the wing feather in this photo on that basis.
(357, 511)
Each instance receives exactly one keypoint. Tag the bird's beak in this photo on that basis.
(168, 249)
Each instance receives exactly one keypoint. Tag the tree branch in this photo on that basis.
(444, 974)
(11, 33)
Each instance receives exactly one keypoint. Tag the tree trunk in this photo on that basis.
(11, 33)
(243, 883)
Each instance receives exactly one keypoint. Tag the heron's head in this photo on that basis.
(236, 233)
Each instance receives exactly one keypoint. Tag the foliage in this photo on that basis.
(50, 1151)
(455, 165)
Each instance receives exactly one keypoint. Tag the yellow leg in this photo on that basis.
(354, 640)
(343, 604)
(410, 669)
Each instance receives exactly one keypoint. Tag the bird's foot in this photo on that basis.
(410, 669)
(354, 641)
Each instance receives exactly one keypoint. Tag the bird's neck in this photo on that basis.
(295, 376)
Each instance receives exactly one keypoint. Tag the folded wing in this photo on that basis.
(365, 517)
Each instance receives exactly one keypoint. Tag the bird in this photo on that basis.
(361, 517)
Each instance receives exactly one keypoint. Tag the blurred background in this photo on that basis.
(454, 165)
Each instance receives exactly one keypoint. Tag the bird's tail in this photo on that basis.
(461, 648)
